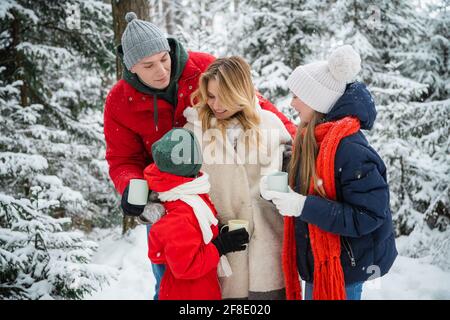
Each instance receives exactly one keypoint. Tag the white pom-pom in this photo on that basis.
(344, 63)
(130, 16)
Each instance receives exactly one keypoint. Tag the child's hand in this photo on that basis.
(153, 211)
(231, 241)
(223, 228)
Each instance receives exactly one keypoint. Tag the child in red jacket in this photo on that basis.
(187, 238)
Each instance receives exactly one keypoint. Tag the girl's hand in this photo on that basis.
(288, 203)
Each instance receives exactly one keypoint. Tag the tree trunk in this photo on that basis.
(209, 18)
(119, 10)
(177, 13)
(18, 58)
(236, 5)
(128, 223)
(168, 10)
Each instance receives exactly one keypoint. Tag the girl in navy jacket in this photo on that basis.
(338, 195)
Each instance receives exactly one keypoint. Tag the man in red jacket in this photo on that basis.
(158, 78)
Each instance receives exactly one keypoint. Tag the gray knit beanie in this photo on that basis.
(141, 39)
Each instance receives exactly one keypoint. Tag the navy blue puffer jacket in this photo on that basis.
(361, 215)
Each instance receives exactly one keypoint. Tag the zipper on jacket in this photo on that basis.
(349, 250)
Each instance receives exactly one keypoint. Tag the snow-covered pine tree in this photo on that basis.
(275, 37)
(431, 134)
(425, 213)
(399, 56)
(199, 24)
(428, 60)
(39, 257)
(383, 32)
(59, 56)
(55, 67)
(413, 139)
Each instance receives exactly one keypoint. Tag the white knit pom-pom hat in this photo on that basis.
(321, 84)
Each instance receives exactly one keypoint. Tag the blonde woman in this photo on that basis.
(240, 143)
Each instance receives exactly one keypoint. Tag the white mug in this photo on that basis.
(278, 181)
(237, 224)
(138, 192)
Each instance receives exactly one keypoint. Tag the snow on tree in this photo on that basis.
(413, 139)
(383, 32)
(39, 257)
(405, 64)
(430, 64)
(199, 24)
(56, 67)
(412, 128)
(275, 37)
(60, 72)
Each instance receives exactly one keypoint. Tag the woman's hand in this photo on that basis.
(288, 203)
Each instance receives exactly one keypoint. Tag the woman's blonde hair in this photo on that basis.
(302, 166)
(236, 92)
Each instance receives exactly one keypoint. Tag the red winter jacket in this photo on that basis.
(177, 241)
(129, 126)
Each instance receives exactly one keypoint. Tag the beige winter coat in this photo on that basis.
(257, 271)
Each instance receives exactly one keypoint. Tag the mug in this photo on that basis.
(237, 224)
(278, 181)
(138, 192)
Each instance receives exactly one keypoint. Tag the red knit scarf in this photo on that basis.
(328, 283)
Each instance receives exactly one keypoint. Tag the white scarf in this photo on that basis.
(189, 193)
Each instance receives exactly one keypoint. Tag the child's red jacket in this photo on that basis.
(177, 241)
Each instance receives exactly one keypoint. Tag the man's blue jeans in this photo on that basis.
(158, 271)
(353, 291)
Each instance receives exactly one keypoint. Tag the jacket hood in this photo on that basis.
(356, 101)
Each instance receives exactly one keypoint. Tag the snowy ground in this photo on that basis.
(129, 255)
(408, 279)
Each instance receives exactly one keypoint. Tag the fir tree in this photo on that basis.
(402, 63)
(55, 67)
(39, 257)
(275, 37)
(58, 58)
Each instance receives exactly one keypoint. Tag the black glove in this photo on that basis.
(231, 241)
(153, 197)
(128, 208)
(287, 154)
(222, 228)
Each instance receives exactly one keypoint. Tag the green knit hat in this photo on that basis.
(178, 152)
